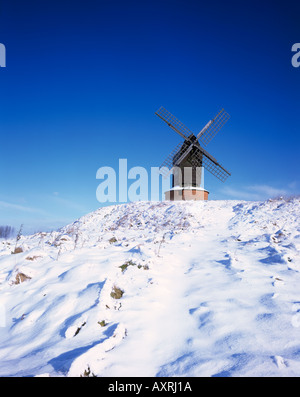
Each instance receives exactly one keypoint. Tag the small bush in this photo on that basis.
(32, 258)
(126, 264)
(17, 250)
(116, 293)
(112, 240)
(21, 277)
(87, 373)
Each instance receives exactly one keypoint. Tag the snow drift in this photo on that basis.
(156, 289)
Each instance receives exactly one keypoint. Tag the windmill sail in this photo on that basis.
(169, 161)
(183, 153)
(174, 123)
(211, 164)
(213, 127)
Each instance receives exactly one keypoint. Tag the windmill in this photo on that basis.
(190, 156)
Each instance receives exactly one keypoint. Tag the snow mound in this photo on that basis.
(156, 289)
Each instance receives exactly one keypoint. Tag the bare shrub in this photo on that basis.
(116, 293)
(17, 250)
(21, 277)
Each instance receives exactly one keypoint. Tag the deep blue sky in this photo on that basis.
(84, 78)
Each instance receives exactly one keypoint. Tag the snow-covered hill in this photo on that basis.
(156, 289)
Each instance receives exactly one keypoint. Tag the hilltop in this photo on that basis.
(156, 289)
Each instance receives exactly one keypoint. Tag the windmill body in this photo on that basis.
(188, 158)
(184, 159)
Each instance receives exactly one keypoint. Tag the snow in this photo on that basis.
(209, 289)
(188, 188)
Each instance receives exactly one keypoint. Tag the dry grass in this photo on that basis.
(17, 250)
(32, 258)
(116, 293)
(21, 277)
(126, 264)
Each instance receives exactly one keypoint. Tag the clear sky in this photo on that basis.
(84, 78)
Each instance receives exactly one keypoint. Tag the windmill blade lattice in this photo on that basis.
(169, 161)
(213, 167)
(217, 123)
(173, 122)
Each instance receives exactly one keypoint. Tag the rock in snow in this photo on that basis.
(156, 289)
